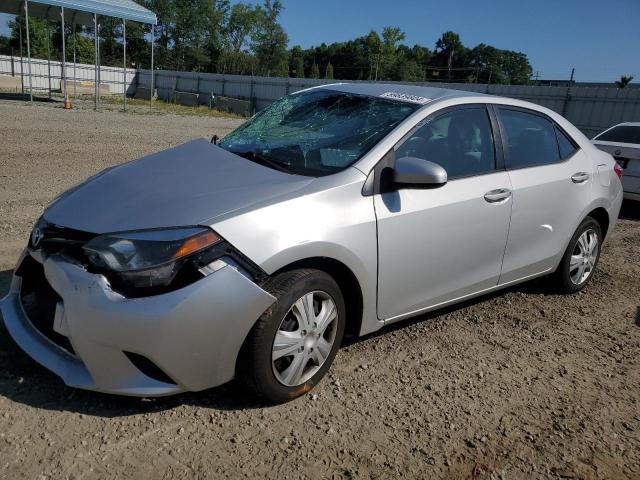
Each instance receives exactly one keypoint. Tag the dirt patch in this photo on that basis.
(527, 383)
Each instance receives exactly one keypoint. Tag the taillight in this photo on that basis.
(618, 169)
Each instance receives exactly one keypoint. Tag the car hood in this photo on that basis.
(186, 185)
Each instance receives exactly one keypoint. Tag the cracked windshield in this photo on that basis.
(316, 133)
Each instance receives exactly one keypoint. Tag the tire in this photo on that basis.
(576, 259)
(304, 352)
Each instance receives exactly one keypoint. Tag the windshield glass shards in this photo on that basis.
(318, 132)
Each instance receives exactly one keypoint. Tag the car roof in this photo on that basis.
(378, 89)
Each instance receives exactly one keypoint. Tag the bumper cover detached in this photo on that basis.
(191, 336)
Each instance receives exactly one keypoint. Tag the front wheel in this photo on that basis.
(292, 345)
(581, 257)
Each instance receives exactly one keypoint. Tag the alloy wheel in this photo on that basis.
(584, 257)
(304, 338)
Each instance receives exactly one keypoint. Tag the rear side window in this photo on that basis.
(566, 146)
(531, 139)
(461, 141)
(622, 134)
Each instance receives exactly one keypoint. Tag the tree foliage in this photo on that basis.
(624, 81)
(248, 39)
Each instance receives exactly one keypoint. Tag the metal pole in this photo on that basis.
(75, 79)
(99, 66)
(48, 54)
(95, 71)
(153, 39)
(21, 62)
(26, 17)
(64, 57)
(124, 64)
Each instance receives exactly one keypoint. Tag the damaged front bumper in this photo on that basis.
(184, 340)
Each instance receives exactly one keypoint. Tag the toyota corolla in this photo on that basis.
(335, 211)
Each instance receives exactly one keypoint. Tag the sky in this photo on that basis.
(600, 39)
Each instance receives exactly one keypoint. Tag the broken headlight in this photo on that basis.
(147, 259)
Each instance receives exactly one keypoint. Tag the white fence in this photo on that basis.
(48, 75)
(592, 109)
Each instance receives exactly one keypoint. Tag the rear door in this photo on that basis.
(551, 179)
(439, 244)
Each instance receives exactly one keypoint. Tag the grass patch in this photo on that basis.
(160, 106)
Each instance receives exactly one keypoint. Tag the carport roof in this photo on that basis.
(81, 11)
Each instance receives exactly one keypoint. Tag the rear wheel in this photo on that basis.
(581, 257)
(293, 344)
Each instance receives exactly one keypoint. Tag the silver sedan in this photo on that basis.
(335, 211)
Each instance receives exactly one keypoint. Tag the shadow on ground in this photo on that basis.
(24, 97)
(630, 210)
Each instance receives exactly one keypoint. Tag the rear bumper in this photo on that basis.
(193, 335)
(631, 186)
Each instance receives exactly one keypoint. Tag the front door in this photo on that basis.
(440, 244)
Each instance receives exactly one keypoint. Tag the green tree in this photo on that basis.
(37, 36)
(85, 48)
(450, 55)
(238, 25)
(5, 45)
(296, 62)
(329, 72)
(624, 81)
(315, 71)
(270, 41)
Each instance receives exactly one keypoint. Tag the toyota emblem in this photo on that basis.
(617, 152)
(36, 237)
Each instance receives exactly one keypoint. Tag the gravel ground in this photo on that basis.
(521, 384)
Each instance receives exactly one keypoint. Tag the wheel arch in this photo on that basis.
(346, 280)
(601, 216)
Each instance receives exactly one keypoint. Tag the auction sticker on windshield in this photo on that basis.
(406, 97)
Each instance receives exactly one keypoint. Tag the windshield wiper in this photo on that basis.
(262, 160)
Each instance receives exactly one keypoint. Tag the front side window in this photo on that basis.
(460, 141)
(621, 134)
(531, 139)
(318, 132)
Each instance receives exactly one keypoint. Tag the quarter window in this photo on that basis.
(531, 139)
(460, 141)
(565, 145)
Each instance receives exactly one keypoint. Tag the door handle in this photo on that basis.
(498, 195)
(580, 177)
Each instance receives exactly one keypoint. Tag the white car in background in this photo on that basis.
(623, 142)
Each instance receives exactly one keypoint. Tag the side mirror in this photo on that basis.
(417, 172)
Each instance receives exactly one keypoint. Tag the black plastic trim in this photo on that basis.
(148, 368)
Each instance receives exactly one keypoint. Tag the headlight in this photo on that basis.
(149, 258)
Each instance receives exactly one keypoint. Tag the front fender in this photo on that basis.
(337, 223)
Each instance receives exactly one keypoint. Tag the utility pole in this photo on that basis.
(449, 64)
(567, 98)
